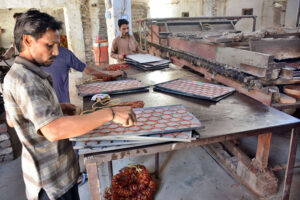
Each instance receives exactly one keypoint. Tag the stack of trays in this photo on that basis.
(104, 145)
(154, 125)
(147, 62)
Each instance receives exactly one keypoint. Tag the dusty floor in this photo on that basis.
(187, 174)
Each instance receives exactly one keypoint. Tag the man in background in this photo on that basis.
(125, 44)
(60, 68)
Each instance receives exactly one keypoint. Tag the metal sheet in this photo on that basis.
(177, 137)
(144, 58)
(112, 148)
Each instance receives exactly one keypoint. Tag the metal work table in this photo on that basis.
(233, 117)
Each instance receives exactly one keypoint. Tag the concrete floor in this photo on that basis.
(190, 174)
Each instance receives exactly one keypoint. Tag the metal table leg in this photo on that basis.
(110, 169)
(290, 164)
(157, 165)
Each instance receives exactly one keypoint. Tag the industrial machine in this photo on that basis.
(258, 63)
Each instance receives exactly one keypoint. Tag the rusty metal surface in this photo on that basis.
(197, 48)
(196, 18)
(235, 114)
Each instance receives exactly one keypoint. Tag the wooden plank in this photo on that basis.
(94, 182)
(290, 164)
(287, 73)
(234, 57)
(283, 166)
(240, 155)
(254, 70)
(263, 150)
(279, 48)
(281, 81)
(286, 106)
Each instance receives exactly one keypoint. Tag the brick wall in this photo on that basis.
(102, 21)
(138, 11)
(87, 32)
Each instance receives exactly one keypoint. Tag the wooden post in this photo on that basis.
(290, 165)
(263, 150)
(94, 182)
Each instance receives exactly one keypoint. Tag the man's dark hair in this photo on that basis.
(122, 21)
(17, 15)
(34, 23)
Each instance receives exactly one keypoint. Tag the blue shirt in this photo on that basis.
(59, 70)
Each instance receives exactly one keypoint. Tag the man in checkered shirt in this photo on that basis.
(50, 170)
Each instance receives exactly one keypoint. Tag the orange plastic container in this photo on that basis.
(101, 52)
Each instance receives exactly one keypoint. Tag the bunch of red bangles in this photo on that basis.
(115, 67)
(132, 183)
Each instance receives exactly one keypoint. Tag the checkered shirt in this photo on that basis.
(31, 103)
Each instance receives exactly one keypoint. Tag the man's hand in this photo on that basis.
(116, 74)
(68, 109)
(121, 57)
(123, 115)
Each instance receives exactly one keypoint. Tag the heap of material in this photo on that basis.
(147, 62)
(133, 182)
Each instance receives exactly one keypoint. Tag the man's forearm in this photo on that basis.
(94, 72)
(73, 126)
(114, 55)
